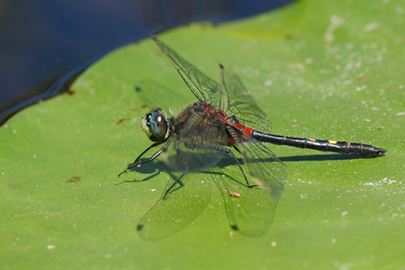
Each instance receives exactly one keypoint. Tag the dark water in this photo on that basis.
(45, 44)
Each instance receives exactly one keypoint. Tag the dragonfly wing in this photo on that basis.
(240, 102)
(204, 88)
(267, 171)
(175, 211)
(250, 211)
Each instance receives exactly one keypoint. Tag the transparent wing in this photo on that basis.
(267, 171)
(250, 211)
(240, 103)
(204, 88)
(180, 207)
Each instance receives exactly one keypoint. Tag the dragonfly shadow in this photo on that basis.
(228, 160)
(152, 170)
(158, 167)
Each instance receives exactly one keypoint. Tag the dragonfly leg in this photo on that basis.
(155, 155)
(178, 180)
(229, 151)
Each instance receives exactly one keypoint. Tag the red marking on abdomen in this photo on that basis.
(244, 129)
(246, 132)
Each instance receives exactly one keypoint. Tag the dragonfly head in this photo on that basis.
(156, 125)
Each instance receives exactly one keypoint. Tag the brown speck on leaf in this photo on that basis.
(363, 79)
(74, 179)
(234, 194)
(122, 120)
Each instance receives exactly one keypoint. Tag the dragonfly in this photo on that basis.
(223, 121)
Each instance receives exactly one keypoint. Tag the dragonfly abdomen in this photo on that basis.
(342, 147)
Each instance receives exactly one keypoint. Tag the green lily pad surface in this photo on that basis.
(320, 69)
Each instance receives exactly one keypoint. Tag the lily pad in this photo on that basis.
(318, 69)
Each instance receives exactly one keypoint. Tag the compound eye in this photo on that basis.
(155, 125)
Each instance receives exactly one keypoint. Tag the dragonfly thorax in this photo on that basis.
(212, 110)
(156, 125)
